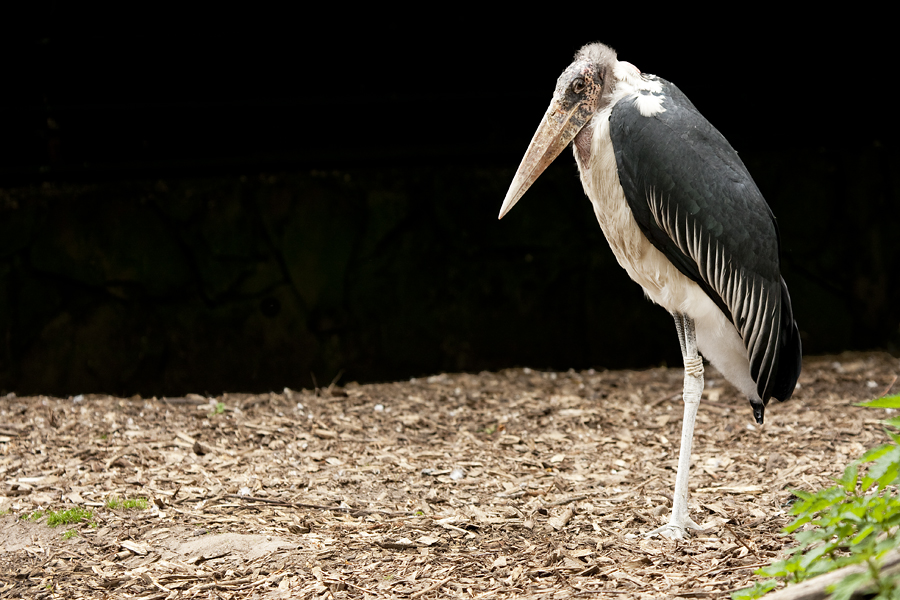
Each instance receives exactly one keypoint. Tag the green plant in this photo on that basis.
(218, 409)
(853, 522)
(69, 534)
(68, 517)
(116, 503)
(136, 504)
(756, 590)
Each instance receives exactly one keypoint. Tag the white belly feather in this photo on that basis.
(663, 283)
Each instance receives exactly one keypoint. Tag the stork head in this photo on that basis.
(579, 93)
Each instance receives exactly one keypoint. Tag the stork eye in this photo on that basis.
(578, 85)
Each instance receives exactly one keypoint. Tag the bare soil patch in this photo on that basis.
(517, 484)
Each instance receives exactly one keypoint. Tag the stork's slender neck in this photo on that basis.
(624, 79)
(583, 143)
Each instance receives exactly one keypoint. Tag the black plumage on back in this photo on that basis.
(701, 208)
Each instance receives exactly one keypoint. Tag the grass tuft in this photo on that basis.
(116, 503)
(68, 517)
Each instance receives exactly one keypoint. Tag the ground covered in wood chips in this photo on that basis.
(518, 484)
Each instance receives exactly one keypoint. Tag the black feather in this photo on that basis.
(688, 189)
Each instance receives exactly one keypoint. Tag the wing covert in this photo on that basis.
(694, 199)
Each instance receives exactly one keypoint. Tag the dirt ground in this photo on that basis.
(518, 484)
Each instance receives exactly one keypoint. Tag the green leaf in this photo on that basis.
(844, 589)
(863, 534)
(874, 453)
(848, 481)
(809, 560)
(827, 498)
(886, 402)
(885, 546)
(800, 522)
(758, 589)
(811, 536)
(779, 568)
(885, 468)
(801, 494)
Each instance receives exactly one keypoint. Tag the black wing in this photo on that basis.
(695, 201)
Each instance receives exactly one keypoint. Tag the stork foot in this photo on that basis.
(675, 530)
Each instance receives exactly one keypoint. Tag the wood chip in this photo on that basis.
(562, 474)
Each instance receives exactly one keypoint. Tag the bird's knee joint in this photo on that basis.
(693, 367)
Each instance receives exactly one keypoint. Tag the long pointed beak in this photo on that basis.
(559, 127)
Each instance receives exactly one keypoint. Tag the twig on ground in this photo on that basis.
(347, 509)
(640, 489)
(566, 581)
(740, 541)
(568, 500)
(661, 400)
(431, 588)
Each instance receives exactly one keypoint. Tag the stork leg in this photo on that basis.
(680, 521)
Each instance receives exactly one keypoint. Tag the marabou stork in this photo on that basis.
(685, 220)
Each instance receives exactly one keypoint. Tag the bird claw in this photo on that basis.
(674, 530)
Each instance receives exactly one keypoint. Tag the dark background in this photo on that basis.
(198, 200)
